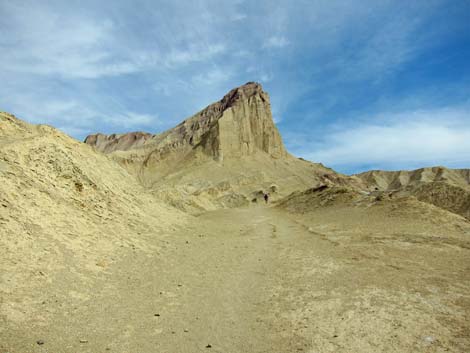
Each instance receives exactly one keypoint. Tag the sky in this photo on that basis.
(355, 85)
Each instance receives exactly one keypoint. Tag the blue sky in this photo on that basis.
(355, 85)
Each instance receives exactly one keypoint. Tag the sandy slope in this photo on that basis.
(65, 211)
(262, 280)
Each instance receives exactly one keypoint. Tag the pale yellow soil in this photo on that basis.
(342, 279)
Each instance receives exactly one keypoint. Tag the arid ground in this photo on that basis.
(143, 243)
(256, 279)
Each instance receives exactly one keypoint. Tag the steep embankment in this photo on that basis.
(226, 155)
(66, 213)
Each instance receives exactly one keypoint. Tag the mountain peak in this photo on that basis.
(245, 91)
(239, 124)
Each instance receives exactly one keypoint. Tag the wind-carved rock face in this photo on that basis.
(240, 124)
(246, 124)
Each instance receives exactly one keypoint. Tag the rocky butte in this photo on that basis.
(240, 124)
(226, 155)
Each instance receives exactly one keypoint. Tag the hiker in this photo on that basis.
(266, 197)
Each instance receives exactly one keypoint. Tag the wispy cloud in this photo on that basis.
(407, 139)
(47, 43)
(146, 65)
(276, 42)
(213, 77)
(131, 120)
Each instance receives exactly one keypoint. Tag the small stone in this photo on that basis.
(40, 342)
(156, 315)
(186, 330)
(83, 341)
(429, 339)
(208, 346)
(334, 336)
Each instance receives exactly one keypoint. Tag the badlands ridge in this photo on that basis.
(162, 242)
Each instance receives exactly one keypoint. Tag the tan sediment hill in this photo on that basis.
(395, 180)
(440, 186)
(389, 267)
(226, 155)
(43, 167)
(66, 213)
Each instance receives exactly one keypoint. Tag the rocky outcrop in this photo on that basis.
(218, 157)
(117, 142)
(240, 124)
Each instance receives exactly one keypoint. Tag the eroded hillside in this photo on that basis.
(439, 186)
(227, 155)
(66, 213)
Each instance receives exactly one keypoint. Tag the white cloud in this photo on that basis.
(75, 46)
(238, 17)
(276, 42)
(213, 77)
(400, 140)
(131, 120)
(194, 53)
(48, 43)
(265, 77)
(73, 131)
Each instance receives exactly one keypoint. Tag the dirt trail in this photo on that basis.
(213, 284)
(255, 280)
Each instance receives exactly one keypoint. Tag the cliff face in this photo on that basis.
(240, 124)
(246, 125)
